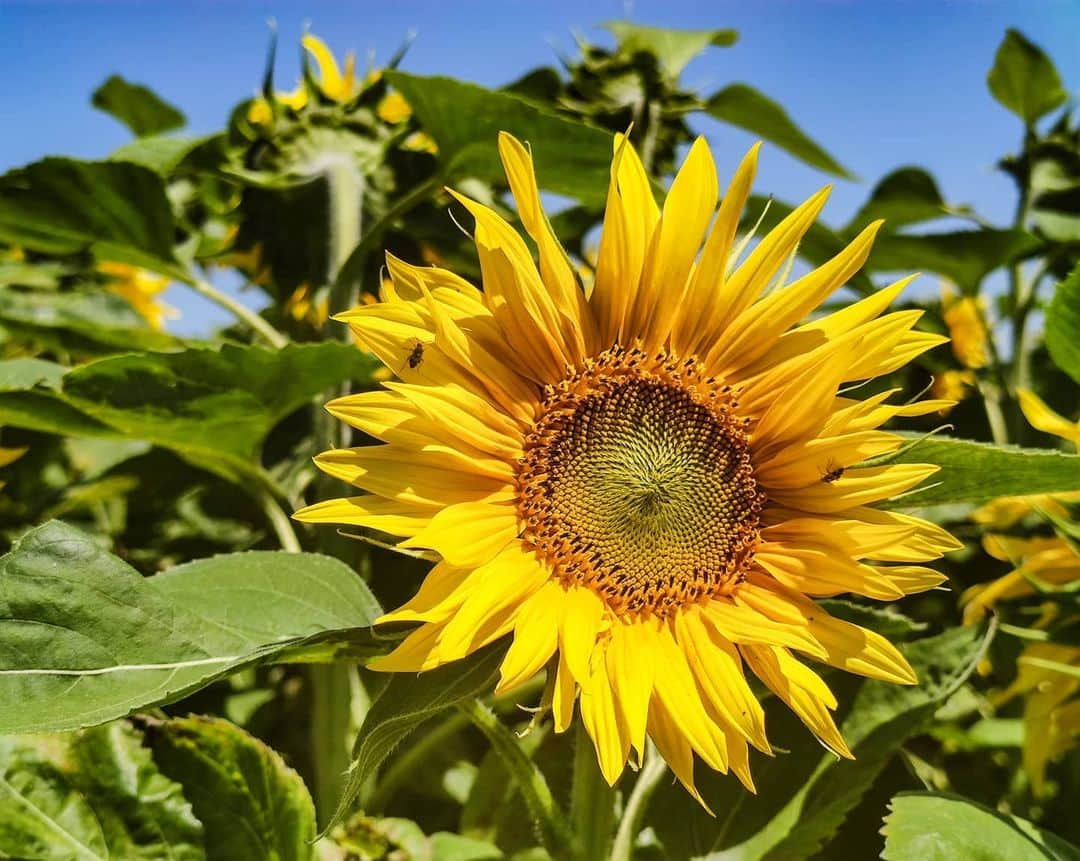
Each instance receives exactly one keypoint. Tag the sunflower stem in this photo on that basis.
(242, 313)
(648, 780)
(554, 831)
(592, 801)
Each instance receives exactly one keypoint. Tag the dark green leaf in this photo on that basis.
(117, 210)
(673, 48)
(965, 257)
(406, 702)
(107, 801)
(252, 806)
(908, 195)
(465, 120)
(937, 826)
(1024, 79)
(137, 107)
(976, 472)
(1063, 325)
(743, 106)
(63, 601)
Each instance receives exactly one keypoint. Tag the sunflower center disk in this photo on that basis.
(637, 483)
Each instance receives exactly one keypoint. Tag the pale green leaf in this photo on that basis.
(673, 48)
(1024, 79)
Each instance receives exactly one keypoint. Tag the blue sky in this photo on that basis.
(880, 83)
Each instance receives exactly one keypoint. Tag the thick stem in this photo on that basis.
(991, 396)
(242, 313)
(592, 801)
(648, 780)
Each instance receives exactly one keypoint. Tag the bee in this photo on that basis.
(833, 471)
(416, 357)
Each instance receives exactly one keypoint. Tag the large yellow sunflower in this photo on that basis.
(644, 486)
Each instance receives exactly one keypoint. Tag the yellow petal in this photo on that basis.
(536, 635)
(608, 733)
(1045, 419)
(370, 512)
(469, 533)
(578, 630)
(631, 669)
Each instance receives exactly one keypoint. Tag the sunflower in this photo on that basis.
(140, 289)
(642, 487)
(965, 318)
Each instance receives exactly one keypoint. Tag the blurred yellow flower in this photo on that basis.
(304, 304)
(420, 142)
(1004, 511)
(966, 320)
(1047, 560)
(140, 289)
(393, 108)
(10, 455)
(951, 386)
(337, 85)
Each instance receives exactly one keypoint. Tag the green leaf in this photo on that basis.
(883, 620)
(84, 638)
(446, 846)
(965, 257)
(137, 107)
(803, 795)
(673, 48)
(213, 407)
(407, 701)
(21, 374)
(908, 195)
(161, 154)
(251, 805)
(976, 472)
(743, 106)
(1063, 325)
(938, 826)
(1024, 79)
(465, 120)
(107, 801)
(117, 210)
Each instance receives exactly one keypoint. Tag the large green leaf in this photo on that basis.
(673, 48)
(938, 826)
(743, 106)
(407, 701)
(1063, 325)
(84, 638)
(118, 210)
(465, 120)
(965, 257)
(252, 806)
(1024, 79)
(804, 795)
(213, 407)
(975, 472)
(107, 800)
(137, 107)
(160, 153)
(906, 196)
(27, 373)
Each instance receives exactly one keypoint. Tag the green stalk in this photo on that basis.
(592, 801)
(242, 313)
(648, 780)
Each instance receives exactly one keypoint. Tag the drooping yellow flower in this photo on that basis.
(140, 289)
(966, 319)
(951, 386)
(1048, 560)
(337, 85)
(1003, 512)
(304, 304)
(645, 488)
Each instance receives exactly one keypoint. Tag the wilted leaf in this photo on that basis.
(406, 702)
(938, 826)
(251, 805)
(137, 107)
(117, 210)
(108, 801)
(84, 638)
(1063, 325)
(906, 196)
(743, 106)
(965, 257)
(673, 48)
(465, 120)
(975, 472)
(1024, 79)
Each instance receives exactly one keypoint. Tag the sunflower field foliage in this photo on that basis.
(569, 496)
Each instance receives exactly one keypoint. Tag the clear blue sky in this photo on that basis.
(880, 83)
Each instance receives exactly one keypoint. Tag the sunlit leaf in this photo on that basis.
(743, 106)
(84, 638)
(1063, 325)
(938, 826)
(117, 210)
(251, 804)
(1024, 79)
(160, 153)
(906, 196)
(137, 107)
(673, 48)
